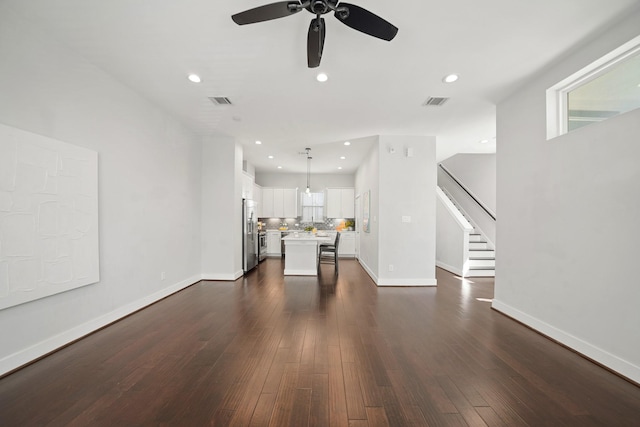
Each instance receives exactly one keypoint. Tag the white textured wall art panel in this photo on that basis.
(48, 216)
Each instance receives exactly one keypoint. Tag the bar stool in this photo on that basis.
(329, 252)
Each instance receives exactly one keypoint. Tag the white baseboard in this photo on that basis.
(29, 354)
(369, 271)
(599, 355)
(450, 268)
(396, 282)
(407, 282)
(223, 277)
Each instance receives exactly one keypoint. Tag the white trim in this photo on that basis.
(407, 282)
(369, 271)
(450, 268)
(455, 212)
(29, 354)
(607, 359)
(290, 272)
(223, 277)
(557, 94)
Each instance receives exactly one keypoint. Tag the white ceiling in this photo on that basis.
(375, 87)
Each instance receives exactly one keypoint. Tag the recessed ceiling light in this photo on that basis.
(450, 78)
(342, 157)
(194, 78)
(271, 157)
(279, 167)
(347, 143)
(483, 141)
(339, 167)
(258, 142)
(322, 77)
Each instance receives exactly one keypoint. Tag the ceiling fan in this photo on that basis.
(349, 14)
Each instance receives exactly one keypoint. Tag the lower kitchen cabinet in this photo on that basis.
(347, 245)
(273, 243)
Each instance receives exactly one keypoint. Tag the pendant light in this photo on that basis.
(308, 190)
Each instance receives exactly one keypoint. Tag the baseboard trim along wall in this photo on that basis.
(449, 268)
(407, 282)
(223, 277)
(599, 356)
(368, 271)
(396, 282)
(33, 353)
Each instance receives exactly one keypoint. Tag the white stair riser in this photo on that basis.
(482, 254)
(476, 238)
(489, 263)
(478, 245)
(481, 273)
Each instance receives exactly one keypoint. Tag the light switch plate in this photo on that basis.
(406, 218)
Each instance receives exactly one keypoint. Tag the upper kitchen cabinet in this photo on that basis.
(340, 203)
(257, 197)
(279, 202)
(247, 186)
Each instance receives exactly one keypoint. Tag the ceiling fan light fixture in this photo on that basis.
(322, 77)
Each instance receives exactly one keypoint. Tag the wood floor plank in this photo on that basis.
(332, 350)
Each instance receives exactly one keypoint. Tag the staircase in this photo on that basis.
(482, 257)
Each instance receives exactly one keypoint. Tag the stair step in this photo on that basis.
(481, 264)
(476, 238)
(481, 273)
(482, 253)
(478, 245)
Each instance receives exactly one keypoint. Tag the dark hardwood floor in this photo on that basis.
(329, 351)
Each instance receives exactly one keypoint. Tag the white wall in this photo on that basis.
(477, 172)
(407, 188)
(400, 186)
(368, 179)
(567, 229)
(299, 180)
(221, 209)
(149, 188)
(452, 236)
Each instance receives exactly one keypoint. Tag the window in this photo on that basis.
(604, 89)
(312, 207)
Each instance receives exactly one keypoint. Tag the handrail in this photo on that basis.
(467, 191)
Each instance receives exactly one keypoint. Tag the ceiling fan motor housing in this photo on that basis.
(320, 7)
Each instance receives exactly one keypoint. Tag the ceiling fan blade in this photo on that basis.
(364, 21)
(315, 42)
(266, 12)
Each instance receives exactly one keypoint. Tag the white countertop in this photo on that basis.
(306, 236)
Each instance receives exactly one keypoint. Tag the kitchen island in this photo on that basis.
(301, 253)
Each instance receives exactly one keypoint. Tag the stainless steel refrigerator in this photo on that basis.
(249, 235)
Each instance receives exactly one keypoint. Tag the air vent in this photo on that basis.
(435, 101)
(220, 100)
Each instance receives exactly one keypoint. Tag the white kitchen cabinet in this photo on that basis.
(267, 203)
(257, 197)
(340, 203)
(290, 202)
(273, 242)
(347, 246)
(279, 202)
(247, 186)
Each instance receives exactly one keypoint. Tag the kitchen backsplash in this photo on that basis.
(296, 224)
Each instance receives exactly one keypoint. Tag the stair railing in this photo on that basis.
(478, 202)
